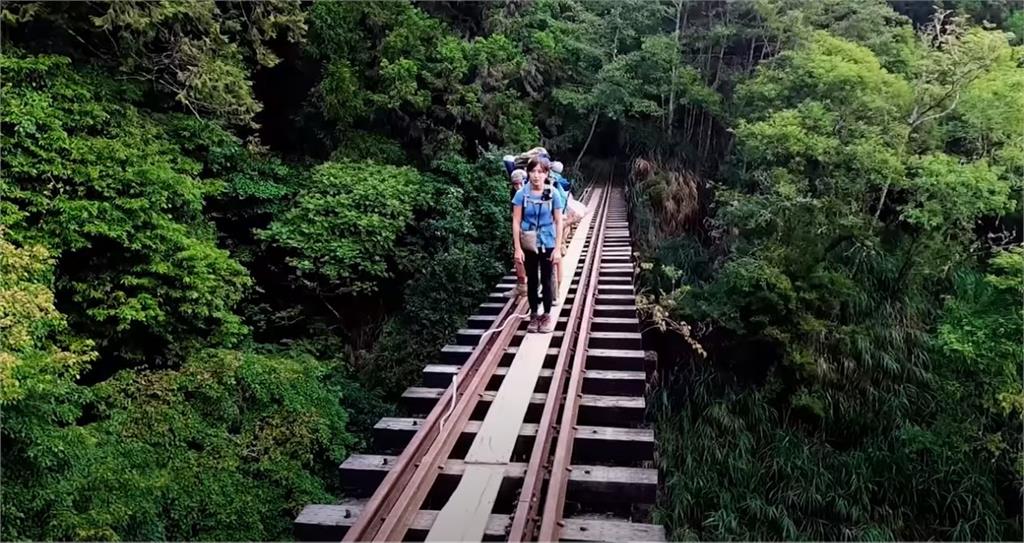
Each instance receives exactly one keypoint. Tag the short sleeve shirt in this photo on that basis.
(562, 182)
(538, 214)
(565, 198)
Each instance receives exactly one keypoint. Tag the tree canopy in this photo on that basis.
(231, 233)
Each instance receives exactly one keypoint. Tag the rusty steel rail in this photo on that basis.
(395, 525)
(377, 519)
(554, 502)
(524, 520)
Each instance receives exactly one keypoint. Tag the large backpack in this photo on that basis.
(523, 159)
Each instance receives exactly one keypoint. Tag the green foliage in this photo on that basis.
(958, 58)
(436, 304)
(101, 184)
(610, 61)
(741, 466)
(824, 67)
(455, 253)
(852, 197)
(392, 62)
(38, 360)
(950, 195)
(343, 228)
(872, 24)
(1015, 25)
(254, 186)
(109, 189)
(359, 146)
(199, 54)
(229, 446)
(979, 332)
(989, 113)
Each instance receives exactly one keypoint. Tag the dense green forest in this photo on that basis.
(231, 233)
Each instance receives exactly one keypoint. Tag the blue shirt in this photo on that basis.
(565, 199)
(560, 181)
(539, 214)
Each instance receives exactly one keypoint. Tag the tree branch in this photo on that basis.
(921, 120)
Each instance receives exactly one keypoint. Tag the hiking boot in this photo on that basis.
(547, 324)
(534, 324)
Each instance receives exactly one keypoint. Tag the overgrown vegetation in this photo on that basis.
(823, 380)
(231, 233)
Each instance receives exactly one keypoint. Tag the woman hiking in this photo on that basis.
(537, 235)
(517, 180)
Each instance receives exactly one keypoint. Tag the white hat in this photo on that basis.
(557, 167)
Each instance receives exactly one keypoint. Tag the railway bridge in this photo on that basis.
(515, 436)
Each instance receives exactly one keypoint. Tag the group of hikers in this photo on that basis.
(542, 209)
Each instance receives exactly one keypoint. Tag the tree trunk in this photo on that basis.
(675, 68)
(707, 148)
(718, 67)
(707, 65)
(700, 139)
(750, 57)
(593, 125)
(690, 117)
(881, 201)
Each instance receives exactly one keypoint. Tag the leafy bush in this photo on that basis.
(38, 360)
(840, 397)
(457, 249)
(199, 55)
(344, 227)
(394, 66)
(101, 185)
(358, 146)
(228, 447)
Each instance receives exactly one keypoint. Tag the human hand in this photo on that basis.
(520, 257)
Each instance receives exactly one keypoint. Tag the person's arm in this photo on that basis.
(517, 217)
(556, 255)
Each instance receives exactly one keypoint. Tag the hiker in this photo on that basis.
(551, 181)
(517, 180)
(522, 159)
(556, 173)
(509, 162)
(574, 210)
(537, 235)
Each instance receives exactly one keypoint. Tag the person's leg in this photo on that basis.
(558, 267)
(547, 323)
(556, 273)
(532, 261)
(520, 278)
(520, 288)
(561, 266)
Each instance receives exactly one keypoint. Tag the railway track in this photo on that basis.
(520, 437)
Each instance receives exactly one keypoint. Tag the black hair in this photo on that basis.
(536, 161)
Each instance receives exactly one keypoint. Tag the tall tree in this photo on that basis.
(198, 54)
